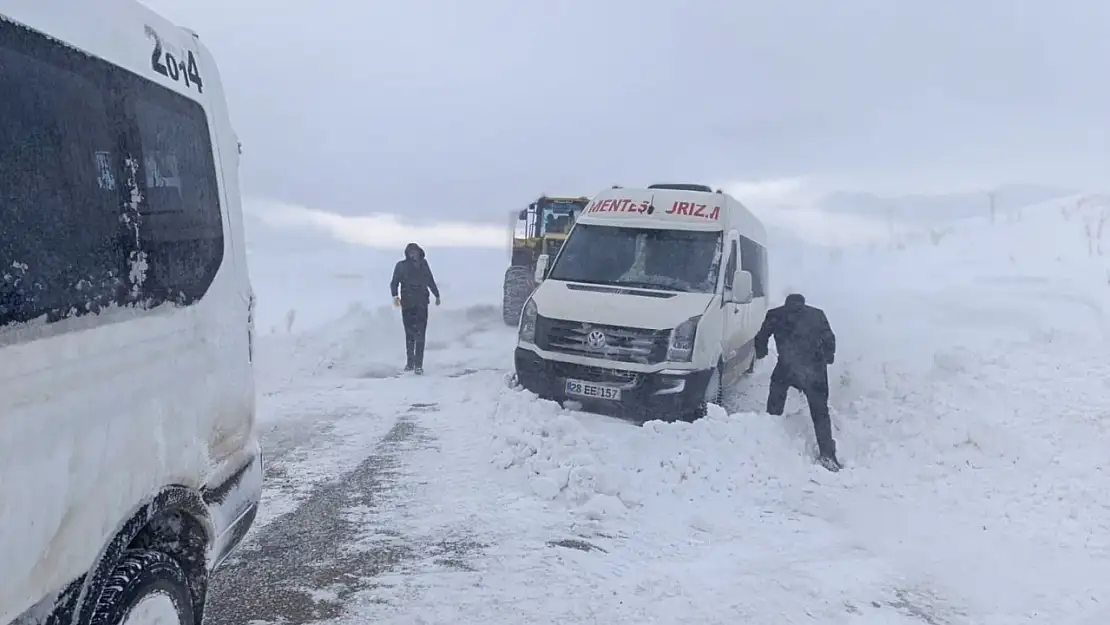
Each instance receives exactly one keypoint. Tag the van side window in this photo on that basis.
(108, 188)
(730, 268)
(59, 232)
(753, 258)
(181, 233)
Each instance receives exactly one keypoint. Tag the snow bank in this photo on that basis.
(980, 305)
(606, 470)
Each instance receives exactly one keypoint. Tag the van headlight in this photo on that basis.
(681, 348)
(527, 332)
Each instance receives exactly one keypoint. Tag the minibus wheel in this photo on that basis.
(146, 588)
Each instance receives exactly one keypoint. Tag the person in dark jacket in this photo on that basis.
(806, 347)
(412, 279)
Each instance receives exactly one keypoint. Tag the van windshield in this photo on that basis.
(670, 260)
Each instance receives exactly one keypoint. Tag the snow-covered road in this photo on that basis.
(969, 404)
(342, 431)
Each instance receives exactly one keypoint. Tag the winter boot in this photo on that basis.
(419, 370)
(830, 463)
(408, 366)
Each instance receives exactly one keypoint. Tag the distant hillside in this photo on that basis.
(927, 208)
(262, 236)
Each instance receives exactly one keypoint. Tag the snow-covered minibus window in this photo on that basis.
(108, 189)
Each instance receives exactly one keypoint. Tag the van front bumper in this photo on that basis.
(668, 394)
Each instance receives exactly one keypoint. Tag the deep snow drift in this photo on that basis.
(969, 405)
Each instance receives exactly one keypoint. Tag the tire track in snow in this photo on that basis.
(324, 534)
(303, 566)
(312, 435)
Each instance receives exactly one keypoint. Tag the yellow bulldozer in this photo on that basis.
(539, 229)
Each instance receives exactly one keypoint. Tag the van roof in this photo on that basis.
(682, 186)
(124, 33)
(672, 209)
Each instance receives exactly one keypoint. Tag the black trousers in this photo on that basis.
(415, 319)
(814, 384)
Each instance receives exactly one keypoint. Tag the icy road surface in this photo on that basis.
(970, 409)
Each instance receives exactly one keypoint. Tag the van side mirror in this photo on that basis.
(541, 267)
(742, 287)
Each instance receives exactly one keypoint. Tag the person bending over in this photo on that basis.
(806, 347)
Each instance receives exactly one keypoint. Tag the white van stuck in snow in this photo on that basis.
(651, 305)
(129, 460)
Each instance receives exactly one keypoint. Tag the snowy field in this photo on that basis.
(970, 408)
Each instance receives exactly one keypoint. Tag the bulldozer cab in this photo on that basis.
(543, 226)
(539, 229)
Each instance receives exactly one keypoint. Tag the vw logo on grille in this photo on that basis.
(596, 339)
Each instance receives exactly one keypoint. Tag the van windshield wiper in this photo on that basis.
(585, 281)
(628, 284)
(649, 285)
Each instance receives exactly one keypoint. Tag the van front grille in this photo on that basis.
(592, 340)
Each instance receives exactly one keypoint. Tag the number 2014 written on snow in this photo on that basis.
(168, 65)
(686, 209)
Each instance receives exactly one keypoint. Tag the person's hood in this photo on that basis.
(414, 247)
(795, 301)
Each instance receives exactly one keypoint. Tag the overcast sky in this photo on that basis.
(437, 109)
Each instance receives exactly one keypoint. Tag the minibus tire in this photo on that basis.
(140, 575)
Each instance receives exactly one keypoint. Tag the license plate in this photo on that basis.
(593, 391)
